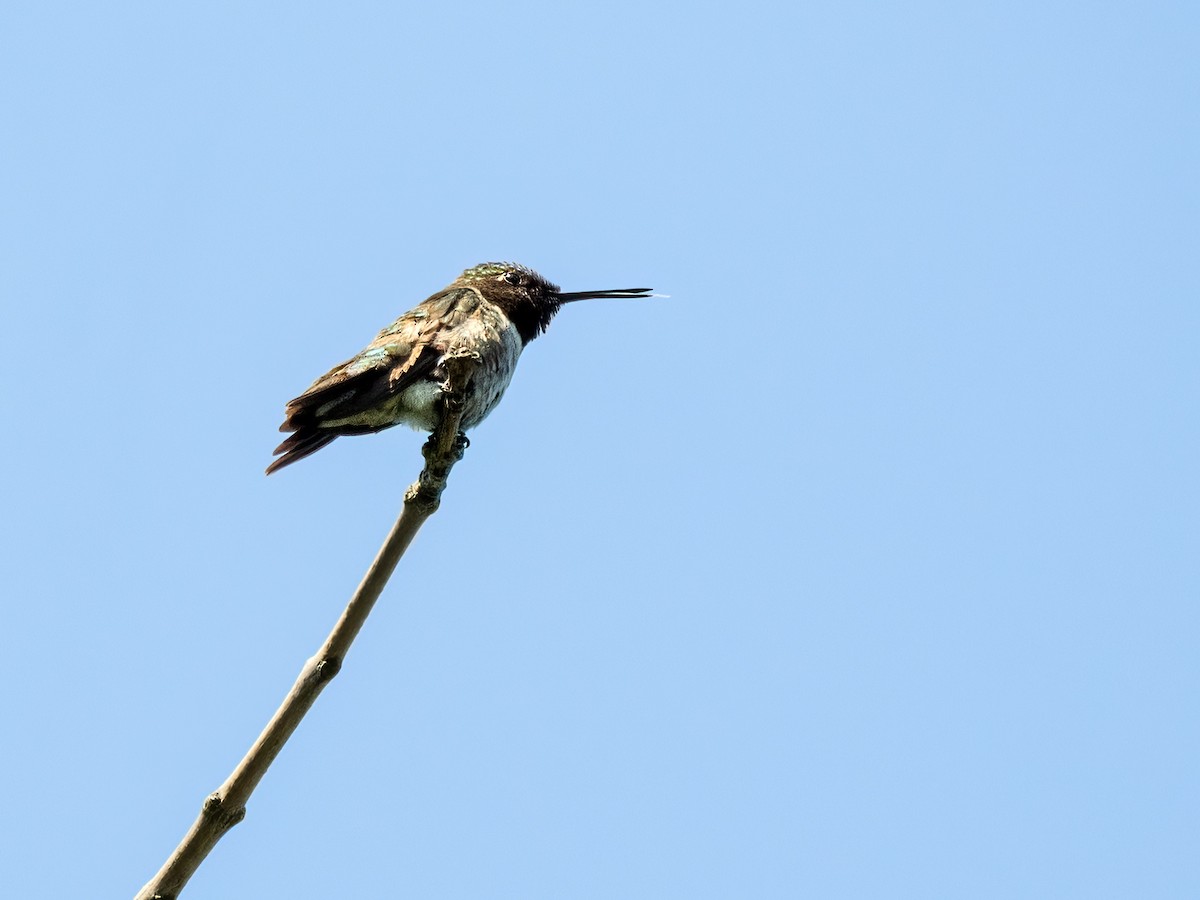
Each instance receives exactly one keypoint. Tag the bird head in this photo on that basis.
(528, 299)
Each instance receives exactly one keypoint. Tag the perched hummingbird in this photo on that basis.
(492, 310)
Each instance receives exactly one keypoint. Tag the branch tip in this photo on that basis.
(444, 448)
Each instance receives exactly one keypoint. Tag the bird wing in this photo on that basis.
(402, 353)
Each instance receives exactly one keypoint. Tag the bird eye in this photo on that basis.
(513, 278)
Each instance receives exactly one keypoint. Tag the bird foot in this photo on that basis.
(457, 448)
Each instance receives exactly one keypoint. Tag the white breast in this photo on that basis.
(494, 339)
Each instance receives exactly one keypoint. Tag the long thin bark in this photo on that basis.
(226, 806)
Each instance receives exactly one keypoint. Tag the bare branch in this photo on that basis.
(225, 807)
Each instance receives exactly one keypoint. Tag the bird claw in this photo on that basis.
(457, 447)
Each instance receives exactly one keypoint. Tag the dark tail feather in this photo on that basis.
(298, 446)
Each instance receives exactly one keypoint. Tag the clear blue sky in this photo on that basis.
(864, 566)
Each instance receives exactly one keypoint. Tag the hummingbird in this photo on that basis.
(492, 310)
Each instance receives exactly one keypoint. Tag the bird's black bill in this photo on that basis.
(600, 295)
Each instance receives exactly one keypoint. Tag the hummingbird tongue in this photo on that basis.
(598, 295)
